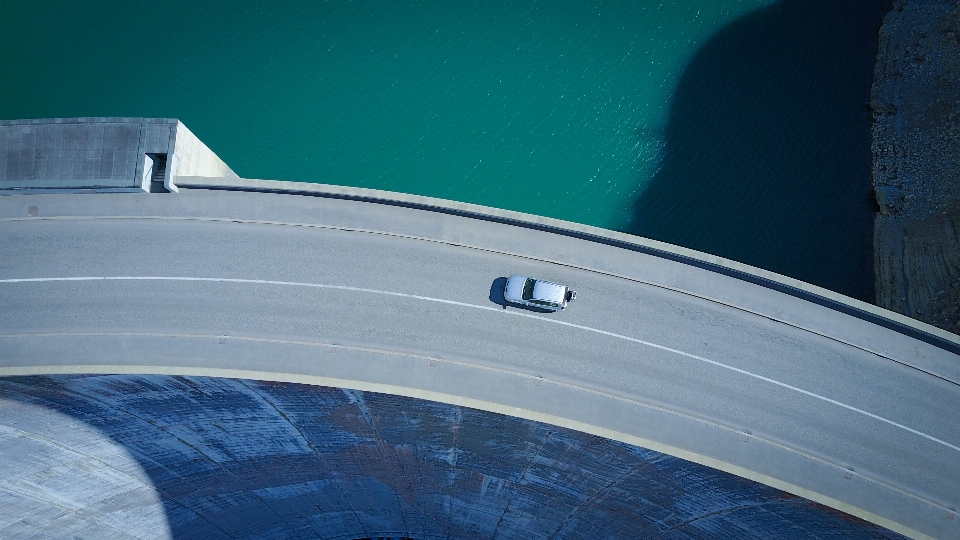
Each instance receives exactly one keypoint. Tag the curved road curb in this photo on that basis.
(757, 276)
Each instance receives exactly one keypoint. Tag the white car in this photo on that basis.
(537, 293)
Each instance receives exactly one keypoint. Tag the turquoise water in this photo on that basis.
(565, 109)
(549, 108)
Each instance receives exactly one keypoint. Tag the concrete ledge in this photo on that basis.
(75, 191)
(101, 154)
(85, 120)
(818, 295)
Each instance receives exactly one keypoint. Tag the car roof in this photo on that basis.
(514, 287)
(548, 292)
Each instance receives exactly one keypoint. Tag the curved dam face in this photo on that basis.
(126, 456)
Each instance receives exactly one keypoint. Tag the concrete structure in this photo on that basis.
(131, 456)
(668, 349)
(102, 154)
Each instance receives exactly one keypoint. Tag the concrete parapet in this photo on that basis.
(102, 154)
(790, 306)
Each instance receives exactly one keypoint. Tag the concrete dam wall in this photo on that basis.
(197, 457)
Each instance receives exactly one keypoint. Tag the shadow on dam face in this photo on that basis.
(232, 458)
(766, 152)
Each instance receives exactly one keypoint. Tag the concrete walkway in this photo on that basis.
(697, 357)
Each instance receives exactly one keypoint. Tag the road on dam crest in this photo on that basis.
(216, 283)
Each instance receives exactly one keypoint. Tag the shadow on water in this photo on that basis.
(767, 146)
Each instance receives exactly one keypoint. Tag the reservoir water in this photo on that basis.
(736, 127)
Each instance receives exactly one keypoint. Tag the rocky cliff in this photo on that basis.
(916, 162)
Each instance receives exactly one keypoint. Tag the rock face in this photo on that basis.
(916, 162)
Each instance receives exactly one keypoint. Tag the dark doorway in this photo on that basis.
(154, 172)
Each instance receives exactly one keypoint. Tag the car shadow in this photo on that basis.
(496, 292)
(496, 296)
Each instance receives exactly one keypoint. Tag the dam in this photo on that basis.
(187, 353)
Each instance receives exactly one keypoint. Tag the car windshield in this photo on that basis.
(528, 289)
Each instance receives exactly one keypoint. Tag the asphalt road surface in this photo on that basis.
(424, 318)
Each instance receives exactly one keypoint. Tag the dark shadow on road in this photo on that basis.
(496, 291)
(767, 146)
